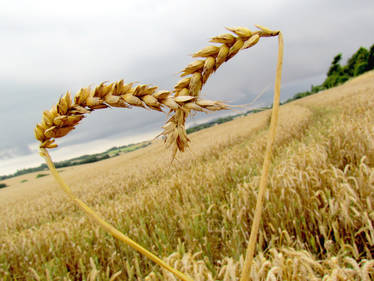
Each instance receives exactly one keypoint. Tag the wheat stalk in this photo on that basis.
(108, 227)
(67, 113)
(265, 167)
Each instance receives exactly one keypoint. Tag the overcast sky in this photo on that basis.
(49, 47)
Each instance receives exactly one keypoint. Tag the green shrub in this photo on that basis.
(360, 68)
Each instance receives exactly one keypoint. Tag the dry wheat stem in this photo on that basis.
(67, 113)
(265, 168)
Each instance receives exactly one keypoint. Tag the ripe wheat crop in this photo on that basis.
(317, 221)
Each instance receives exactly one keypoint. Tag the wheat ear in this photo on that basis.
(67, 113)
(198, 73)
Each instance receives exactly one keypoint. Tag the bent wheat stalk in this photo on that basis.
(67, 113)
(108, 227)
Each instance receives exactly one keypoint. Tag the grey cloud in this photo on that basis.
(47, 50)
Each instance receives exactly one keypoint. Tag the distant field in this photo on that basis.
(83, 159)
(196, 213)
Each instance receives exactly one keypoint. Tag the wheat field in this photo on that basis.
(317, 222)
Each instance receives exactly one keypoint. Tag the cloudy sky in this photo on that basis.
(49, 47)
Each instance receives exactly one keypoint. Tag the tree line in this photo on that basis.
(360, 62)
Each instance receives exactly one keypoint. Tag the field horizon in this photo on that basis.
(197, 212)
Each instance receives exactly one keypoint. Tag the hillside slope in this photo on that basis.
(317, 221)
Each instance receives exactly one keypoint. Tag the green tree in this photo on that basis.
(360, 68)
(370, 64)
(357, 58)
(335, 65)
(331, 81)
(316, 89)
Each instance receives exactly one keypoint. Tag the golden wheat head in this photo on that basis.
(67, 113)
(198, 72)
